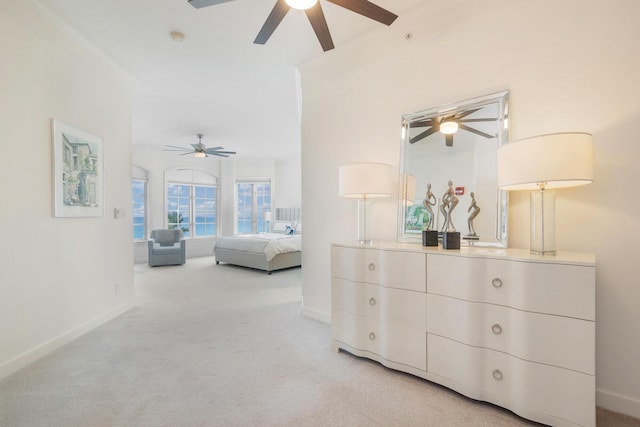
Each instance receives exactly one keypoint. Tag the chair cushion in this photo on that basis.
(166, 237)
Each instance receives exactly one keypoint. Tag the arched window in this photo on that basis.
(192, 202)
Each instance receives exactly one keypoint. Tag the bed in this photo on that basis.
(277, 250)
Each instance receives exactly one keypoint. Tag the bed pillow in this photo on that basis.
(280, 227)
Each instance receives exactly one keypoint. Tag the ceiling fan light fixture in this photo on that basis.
(449, 127)
(200, 154)
(301, 4)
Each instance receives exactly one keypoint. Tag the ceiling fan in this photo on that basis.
(315, 14)
(200, 150)
(448, 125)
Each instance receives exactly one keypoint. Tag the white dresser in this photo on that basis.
(497, 325)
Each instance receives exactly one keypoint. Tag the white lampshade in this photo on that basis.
(557, 160)
(301, 4)
(365, 180)
(267, 216)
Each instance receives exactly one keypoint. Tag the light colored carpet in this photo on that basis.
(220, 345)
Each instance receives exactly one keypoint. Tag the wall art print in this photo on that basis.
(77, 172)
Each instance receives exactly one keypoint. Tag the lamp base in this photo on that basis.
(543, 222)
(365, 219)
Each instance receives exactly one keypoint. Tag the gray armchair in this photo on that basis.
(166, 247)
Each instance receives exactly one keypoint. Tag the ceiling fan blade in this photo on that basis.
(174, 148)
(368, 9)
(476, 131)
(199, 4)
(216, 151)
(215, 148)
(448, 139)
(187, 154)
(421, 123)
(219, 155)
(465, 113)
(320, 27)
(477, 120)
(273, 20)
(423, 135)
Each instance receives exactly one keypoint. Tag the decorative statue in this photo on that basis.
(473, 210)
(428, 202)
(449, 202)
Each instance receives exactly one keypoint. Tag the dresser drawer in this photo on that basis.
(394, 343)
(396, 306)
(393, 269)
(555, 340)
(552, 288)
(526, 388)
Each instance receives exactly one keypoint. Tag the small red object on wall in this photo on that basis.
(459, 191)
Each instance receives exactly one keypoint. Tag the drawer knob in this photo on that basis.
(372, 301)
(372, 266)
(496, 329)
(497, 374)
(497, 282)
(372, 336)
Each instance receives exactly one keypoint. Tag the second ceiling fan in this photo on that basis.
(315, 14)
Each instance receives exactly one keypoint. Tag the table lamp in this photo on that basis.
(267, 219)
(364, 181)
(544, 163)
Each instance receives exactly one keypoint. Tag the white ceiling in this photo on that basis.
(216, 82)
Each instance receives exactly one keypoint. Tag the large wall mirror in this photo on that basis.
(453, 148)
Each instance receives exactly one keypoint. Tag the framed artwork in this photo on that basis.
(77, 172)
(416, 217)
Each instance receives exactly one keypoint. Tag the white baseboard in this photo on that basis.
(618, 403)
(315, 314)
(30, 356)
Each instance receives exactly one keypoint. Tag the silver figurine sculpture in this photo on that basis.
(429, 201)
(449, 202)
(473, 210)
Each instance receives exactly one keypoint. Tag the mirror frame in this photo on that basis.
(501, 209)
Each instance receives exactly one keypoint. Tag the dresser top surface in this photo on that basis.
(562, 257)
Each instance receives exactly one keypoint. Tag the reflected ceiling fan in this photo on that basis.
(200, 150)
(448, 125)
(315, 14)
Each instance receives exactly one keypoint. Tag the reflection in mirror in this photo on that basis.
(457, 143)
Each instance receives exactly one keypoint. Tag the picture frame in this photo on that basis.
(77, 172)
(417, 218)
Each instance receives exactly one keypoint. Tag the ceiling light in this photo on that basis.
(177, 36)
(449, 127)
(301, 4)
(200, 154)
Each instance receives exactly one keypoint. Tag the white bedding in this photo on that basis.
(270, 244)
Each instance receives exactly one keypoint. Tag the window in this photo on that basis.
(139, 208)
(191, 206)
(254, 200)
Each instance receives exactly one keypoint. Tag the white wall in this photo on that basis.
(288, 184)
(60, 276)
(570, 66)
